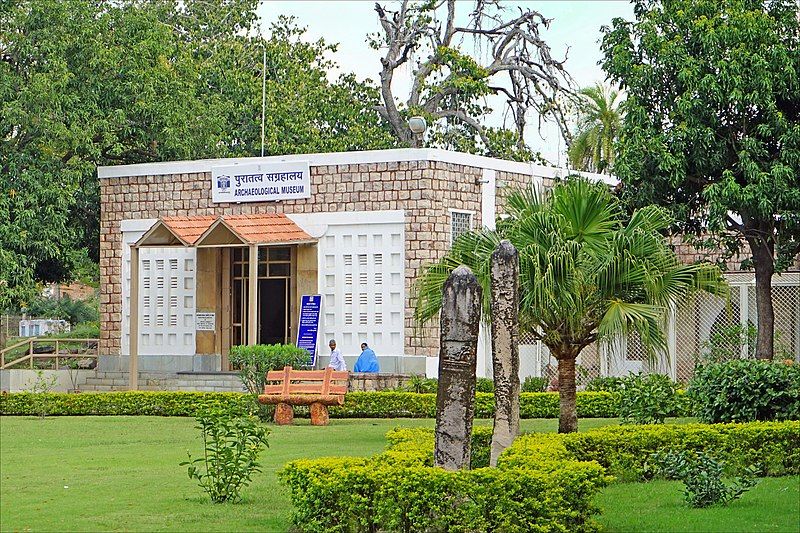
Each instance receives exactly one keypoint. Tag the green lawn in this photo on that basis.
(121, 473)
(772, 505)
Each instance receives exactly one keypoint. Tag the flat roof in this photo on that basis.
(349, 158)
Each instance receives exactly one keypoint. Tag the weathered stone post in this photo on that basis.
(505, 347)
(455, 398)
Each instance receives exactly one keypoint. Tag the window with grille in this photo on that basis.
(460, 223)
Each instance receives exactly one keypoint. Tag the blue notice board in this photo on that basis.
(309, 324)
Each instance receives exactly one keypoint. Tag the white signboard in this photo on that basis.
(205, 322)
(261, 182)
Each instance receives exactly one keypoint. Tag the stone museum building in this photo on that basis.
(352, 227)
(227, 247)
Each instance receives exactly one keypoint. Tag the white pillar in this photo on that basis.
(252, 303)
(133, 352)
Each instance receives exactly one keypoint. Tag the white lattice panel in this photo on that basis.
(362, 276)
(166, 298)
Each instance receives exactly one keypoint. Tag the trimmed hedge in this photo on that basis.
(532, 405)
(773, 447)
(356, 405)
(167, 403)
(399, 490)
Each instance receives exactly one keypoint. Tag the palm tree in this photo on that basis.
(586, 274)
(599, 124)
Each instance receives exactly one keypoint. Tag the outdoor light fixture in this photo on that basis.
(417, 125)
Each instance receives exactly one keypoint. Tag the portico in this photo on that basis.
(255, 299)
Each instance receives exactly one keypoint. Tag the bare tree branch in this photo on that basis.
(445, 86)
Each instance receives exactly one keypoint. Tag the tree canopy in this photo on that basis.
(90, 83)
(599, 124)
(712, 125)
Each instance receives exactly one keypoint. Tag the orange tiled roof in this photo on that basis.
(189, 228)
(266, 228)
(252, 229)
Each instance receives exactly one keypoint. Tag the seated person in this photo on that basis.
(367, 361)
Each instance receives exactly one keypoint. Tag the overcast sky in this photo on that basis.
(576, 25)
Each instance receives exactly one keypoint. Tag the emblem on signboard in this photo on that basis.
(223, 183)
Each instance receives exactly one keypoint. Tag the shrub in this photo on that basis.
(420, 442)
(702, 477)
(166, 403)
(725, 344)
(534, 384)
(40, 393)
(398, 490)
(356, 404)
(532, 405)
(65, 308)
(773, 448)
(484, 385)
(605, 384)
(744, 390)
(253, 362)
(230, 451)
(647, 399)
(422, 385)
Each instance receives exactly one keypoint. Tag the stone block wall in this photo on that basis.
(426, 190)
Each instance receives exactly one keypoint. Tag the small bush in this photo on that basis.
(702, 477)
(255, 361)
(725, 344)
(422, 385)
(534, 384)
(605, 384)
(40, 393)
(484, 385)
(647, 399)
(745, 390)
(230, 451)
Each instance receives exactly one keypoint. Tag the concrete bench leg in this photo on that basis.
(284, 415)
(319, 414)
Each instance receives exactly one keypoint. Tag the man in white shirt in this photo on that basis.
(337, 361)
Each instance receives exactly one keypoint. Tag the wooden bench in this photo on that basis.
(315, 388)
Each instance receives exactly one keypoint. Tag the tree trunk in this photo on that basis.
(765, 344)
(764, 263)
(568, 410)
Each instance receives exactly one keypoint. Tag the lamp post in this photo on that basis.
(417, 125)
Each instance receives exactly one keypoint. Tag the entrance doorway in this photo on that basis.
(274, 284)
(273, 316)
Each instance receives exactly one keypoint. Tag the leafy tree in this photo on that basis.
(599, 124)
(588, 273)
(88, 83)
(712, 126)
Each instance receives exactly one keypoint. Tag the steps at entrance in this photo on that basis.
(118, 381)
